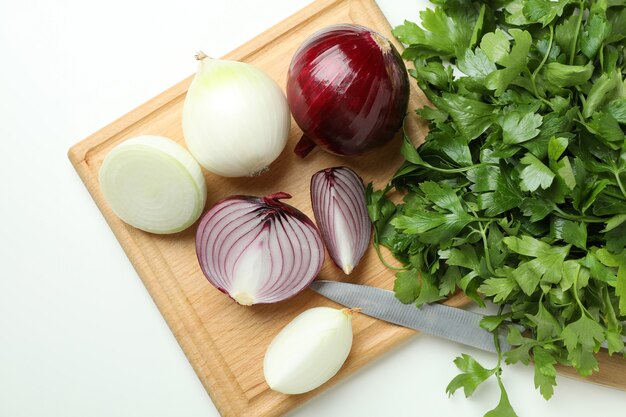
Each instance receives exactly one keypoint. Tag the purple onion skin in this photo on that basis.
(221, 242)
(348, 90)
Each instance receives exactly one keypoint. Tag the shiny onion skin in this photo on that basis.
(348, 90)
(258, 249)
(340, 209)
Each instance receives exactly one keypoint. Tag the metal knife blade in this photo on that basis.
(437, 319)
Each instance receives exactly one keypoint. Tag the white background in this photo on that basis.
(79, 334)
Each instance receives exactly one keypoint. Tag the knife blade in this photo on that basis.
(436, 319)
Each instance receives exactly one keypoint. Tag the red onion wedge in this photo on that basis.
(258, 249)
(338, 200)
(348, 90)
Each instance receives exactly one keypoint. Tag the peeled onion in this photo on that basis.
(338, 200)
(258, 249)
(348, 90)
(153, 184)
(235, 118)
(309, 350)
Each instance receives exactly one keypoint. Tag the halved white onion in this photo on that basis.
(153, 184)
(309, 350)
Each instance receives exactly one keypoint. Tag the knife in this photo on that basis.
(436, 319)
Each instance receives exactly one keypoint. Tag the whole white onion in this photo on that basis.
(235, 118)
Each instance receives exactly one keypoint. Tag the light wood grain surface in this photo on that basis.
(225, 342)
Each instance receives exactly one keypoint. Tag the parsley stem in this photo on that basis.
(545, 57)
(572, 53)
(583, 310)
(383, 261)
(452, 170)
(536, 71)
(619, 182)
(568, 216)
(486, 249)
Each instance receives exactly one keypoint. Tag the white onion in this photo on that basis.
(235, 119)
(153, 184)
(309, 350)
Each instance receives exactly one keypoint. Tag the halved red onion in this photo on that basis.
(338, 200)
(348, 90)
(258, 249)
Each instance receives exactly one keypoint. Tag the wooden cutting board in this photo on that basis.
(225, 342)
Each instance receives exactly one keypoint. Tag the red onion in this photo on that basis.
(258, 249)
(348, 90)
(338, 200)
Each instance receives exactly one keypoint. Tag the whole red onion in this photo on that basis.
(348, 90)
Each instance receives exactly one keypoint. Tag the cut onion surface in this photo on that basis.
(258, 249)
(338, 200)
(153, 184)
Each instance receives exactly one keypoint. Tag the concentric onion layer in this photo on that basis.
(340, 209)
(153, 184)
(258, 250)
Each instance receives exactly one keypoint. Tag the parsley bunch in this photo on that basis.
(518, 194)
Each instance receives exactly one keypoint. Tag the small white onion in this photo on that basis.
(235, 118)
(153, 184)
(309, 350)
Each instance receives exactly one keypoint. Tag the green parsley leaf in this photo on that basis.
(499, 288)
(617, 109)
(544, 11)
(429, 292)
(476, 64)
(563, 33)
(607, 130)
(545, 373)
(582, 338)
(434, 73)
(536, 208)
(504, 408)
(546, 265)
(616, 238)
(575, 233)
(535, 174)
(473, 375)
(448, 282)
(599, 92)
(442, 196)
(441, 35)
(495, 45)
(491, 323)
(596, 31)
(506, 195)
(519, 127)
(615, 343)
(407, 286)
(514, 63)
(546, 325)
(556, 147)
(471, 117)
(561, 75)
